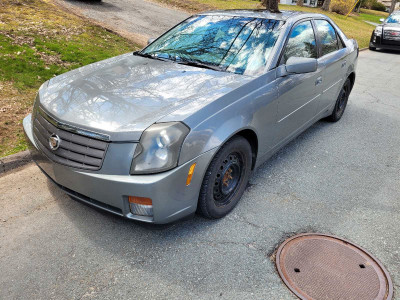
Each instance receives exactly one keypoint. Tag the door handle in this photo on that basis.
(318, 81)
(344, 64)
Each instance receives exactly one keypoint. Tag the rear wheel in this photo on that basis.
(226, 179)
(341, 102)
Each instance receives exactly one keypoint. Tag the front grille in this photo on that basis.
(392, 35)
(74, 150)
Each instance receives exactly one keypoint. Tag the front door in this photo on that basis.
(298, 93)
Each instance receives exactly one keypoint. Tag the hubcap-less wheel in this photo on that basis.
(341, 102)
(343, 97)
(225, 179)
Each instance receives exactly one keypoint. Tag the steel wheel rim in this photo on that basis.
(227, 179)
(342, 99)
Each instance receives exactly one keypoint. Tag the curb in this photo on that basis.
(13, 161)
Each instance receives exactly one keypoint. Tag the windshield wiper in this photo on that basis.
(200, 65)
(181, 61)
(138, 53)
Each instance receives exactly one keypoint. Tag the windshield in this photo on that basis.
(235, 44)
(393, 19)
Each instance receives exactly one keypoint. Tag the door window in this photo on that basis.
(301, 42)
(327, 35)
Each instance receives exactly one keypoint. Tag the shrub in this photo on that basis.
(378, 6)
(341, 6)
(373, 4)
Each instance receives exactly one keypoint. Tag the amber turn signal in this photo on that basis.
(190, 174)
(140, 200)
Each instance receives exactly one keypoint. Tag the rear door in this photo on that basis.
(298, 93)
(333, 62)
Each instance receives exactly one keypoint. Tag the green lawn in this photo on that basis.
(353, 26)
(372, 15)
(370, 18)
(37, 42)
(381, 14)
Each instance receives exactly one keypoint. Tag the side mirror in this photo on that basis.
(150, 40)
(382, 20)
(298, 65)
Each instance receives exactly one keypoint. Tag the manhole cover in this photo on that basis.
(318, 266)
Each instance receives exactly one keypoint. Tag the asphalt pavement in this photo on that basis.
(341, 179)
(141, 18)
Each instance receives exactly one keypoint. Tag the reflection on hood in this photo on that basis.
(128, 93)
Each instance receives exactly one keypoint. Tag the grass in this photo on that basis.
(378, 13)
(38, 41)
(353, 26)
(370, 18)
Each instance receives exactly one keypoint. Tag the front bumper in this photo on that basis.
(171, 198)
(378, 42)
(385, 47)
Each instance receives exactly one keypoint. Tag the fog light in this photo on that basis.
(141, 206)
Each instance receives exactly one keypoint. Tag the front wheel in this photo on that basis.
(372, 48)
(225, 179)
(341, 102)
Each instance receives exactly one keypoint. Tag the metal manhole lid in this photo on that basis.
(319, 266)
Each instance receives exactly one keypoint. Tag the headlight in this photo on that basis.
(378, 31)
(159, 147)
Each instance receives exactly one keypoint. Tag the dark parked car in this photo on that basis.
(387, 35)
(178, 127)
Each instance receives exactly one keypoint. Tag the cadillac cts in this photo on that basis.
(178, 127)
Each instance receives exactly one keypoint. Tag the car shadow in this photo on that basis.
(85, 215)
(388, 51)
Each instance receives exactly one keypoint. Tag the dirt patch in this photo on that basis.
(53, 60)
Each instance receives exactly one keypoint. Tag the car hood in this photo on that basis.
(124, 95)
(392, 26)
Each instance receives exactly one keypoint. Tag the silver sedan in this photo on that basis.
(179, 126)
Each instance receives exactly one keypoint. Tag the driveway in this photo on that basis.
(342, 179)
(137, 17)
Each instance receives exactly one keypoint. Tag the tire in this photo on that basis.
(225, 179)
(372, 48)
(341, 102)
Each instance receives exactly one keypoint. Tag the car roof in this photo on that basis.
(263, 13)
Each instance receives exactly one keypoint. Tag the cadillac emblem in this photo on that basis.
(54, 142)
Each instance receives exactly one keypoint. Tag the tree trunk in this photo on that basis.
(326, 5)
(393, 6)
(300, 3)
(271, 5)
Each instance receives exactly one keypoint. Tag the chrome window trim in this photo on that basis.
(73, 129)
